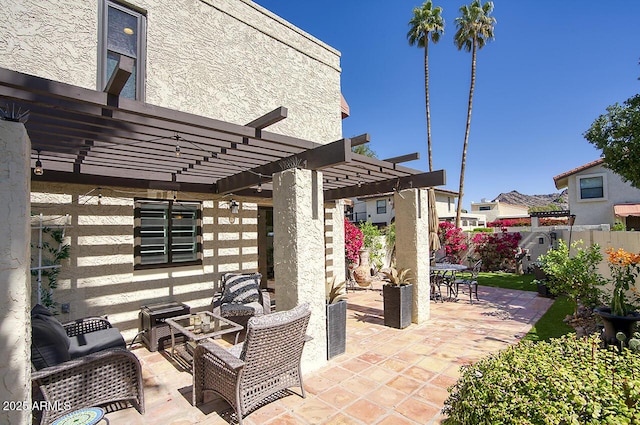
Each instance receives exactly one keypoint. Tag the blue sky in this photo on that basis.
(549, 73)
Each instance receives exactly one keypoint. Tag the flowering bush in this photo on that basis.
(353, 239)
(624, 268)
(497, 250)
(524, 222)
(452, 239)
(510, 222)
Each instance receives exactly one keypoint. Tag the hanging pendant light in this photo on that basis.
(38, 170)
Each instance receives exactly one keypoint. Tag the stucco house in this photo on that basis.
(167, 138)
(597, 195)
(496, 210)
(378, 209)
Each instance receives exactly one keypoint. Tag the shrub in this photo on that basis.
(497, 250)
(565, 380)
(575, 276)
(352, 241)
(452, 239)
(371, 240)
(510, 222)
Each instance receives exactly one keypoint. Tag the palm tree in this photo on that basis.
(475, 29)
(426, 23)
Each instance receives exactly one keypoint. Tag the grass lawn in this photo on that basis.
(551, 324)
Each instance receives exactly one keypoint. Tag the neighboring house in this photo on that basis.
(378, 209)
(496, 210)
(597, 195)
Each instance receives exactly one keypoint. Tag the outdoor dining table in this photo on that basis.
(446, 272)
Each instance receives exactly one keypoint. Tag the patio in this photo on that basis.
(387, 376)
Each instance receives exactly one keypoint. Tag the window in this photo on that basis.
(122, 32)
(167, 233)
(592, 186)
(484, 208)
(381, 206)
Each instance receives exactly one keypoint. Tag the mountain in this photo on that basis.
(516, 198)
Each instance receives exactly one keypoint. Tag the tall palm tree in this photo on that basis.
(475, 29)
(426, 23)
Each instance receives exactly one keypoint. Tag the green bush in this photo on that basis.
(371, 241)
(575, 276)
(565, 380)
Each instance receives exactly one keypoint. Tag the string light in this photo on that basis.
(38, 170)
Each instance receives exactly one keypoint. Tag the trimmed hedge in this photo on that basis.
(566, 380)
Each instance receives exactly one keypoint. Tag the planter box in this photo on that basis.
(398, 305)
(336, 329)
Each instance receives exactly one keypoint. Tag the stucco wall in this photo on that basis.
(15, 329)
(99, 278)
(230, 59)
(600, 211)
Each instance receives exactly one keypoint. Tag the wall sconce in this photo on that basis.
(38, 170)
(553, 236)
(234, 206)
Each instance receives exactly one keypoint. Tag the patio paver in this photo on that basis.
(387, 376)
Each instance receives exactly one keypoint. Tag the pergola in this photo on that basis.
(90, 137)
(98, 138)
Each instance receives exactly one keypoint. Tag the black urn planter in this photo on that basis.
(614, 324)
(543, 290)
(398, 305)
(336, 328)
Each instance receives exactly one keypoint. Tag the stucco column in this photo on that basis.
(299, 254)
(412, 246)
(15, 281)
(334, 220)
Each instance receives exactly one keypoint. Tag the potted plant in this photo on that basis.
(541, 281)
(619, 317)
(336, 318)
(397, 296)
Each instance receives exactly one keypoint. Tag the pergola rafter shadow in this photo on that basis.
(90, 137)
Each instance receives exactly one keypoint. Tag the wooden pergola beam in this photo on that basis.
(434, 178)
(403, 158)
(269, 118)
(360, 140)
(136, 183)
(120, 76)
(323, 156)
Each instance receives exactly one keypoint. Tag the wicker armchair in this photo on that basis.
(105, 377)
(80, 364)
(266, 363)
(241, 298)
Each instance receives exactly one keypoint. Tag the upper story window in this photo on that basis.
(122, 31)
(381, 206)
(484, 208)
(592, 186)
(167, 233)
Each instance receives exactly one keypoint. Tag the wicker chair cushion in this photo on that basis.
(92, 342)
(49, 341)
(241, 288)
(235, 309)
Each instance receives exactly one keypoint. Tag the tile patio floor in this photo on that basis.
(387, 376)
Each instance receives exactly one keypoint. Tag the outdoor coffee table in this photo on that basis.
(194, 327)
